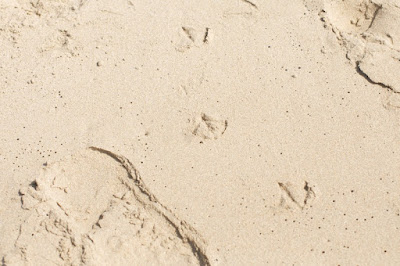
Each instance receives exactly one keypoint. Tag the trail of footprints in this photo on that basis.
(197, 36)
(92, 208)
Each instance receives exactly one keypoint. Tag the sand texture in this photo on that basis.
(179, 132)
(93, 208)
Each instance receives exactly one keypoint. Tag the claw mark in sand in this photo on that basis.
(93, 208)
(296, 196)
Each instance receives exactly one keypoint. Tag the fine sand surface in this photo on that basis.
(216, 132)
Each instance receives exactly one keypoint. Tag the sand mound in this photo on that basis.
(93, 208)
(370, 34)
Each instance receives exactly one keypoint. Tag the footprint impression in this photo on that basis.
(192, 37)
(208, 127)
(93, 208)
(296, 196)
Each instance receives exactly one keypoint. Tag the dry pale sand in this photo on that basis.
(241, 132)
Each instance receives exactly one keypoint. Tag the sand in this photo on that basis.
(200, 132)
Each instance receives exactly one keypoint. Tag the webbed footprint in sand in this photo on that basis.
(93, 208)
(192, 37)
(208, 127)
(296, 196)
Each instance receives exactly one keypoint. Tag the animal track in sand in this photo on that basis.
(296, 196)
(62, 42)
(370, 33)
(92, 208)
(351, 16)
(56, 8)
(193, 37)
(208, 127)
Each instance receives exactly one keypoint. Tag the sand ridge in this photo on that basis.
(93, 208)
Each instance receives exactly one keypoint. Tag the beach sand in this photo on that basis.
(241, 132)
